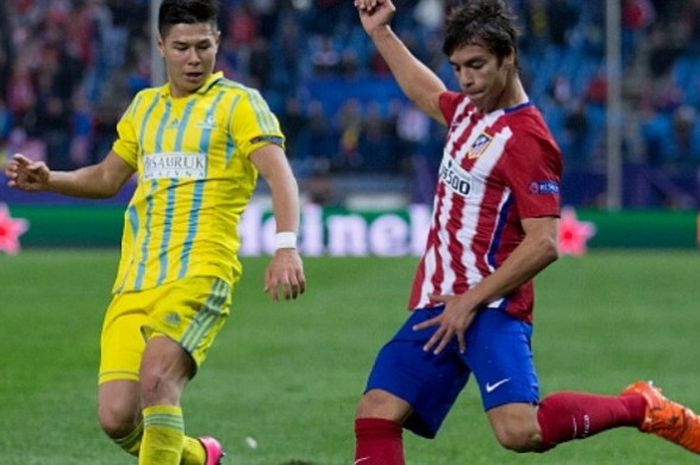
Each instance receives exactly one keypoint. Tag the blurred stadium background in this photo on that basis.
(618, 82)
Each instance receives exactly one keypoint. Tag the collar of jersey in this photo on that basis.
(518, 106)
(165, 89)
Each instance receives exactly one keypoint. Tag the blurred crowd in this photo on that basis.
(68, 68)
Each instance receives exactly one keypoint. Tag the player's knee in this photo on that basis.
(117, 421)
(517, 437)
(381, 404)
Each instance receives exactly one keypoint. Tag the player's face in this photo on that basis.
(481, 76)
(190, 53)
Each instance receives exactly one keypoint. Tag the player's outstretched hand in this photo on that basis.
(285, 275)
(375, 14)
(27, 175)
(453, 321)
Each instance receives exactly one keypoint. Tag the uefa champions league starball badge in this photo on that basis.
(574, 234)
(10, 230)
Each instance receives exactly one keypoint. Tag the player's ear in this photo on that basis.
(161, 46)
(509, 60)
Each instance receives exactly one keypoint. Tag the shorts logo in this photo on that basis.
(177, 165)
(455, 177)
(547, 186)
(479, 146)
(172, 319)
(492, 387)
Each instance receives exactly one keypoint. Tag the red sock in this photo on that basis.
(565, 416)
(378, 442)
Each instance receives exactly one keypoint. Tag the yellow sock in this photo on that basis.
(132, 442)
(193, 452)
(163, 435)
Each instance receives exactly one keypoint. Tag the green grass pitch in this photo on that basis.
(289, 374)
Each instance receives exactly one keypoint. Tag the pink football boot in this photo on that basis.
(215, 453)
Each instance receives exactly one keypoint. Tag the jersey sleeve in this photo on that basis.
(126, 145)
(448, 102)
(533, 171)
(254, 125)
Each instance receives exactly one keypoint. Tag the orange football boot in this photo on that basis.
(666, 418)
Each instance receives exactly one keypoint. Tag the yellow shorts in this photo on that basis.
(190, 311)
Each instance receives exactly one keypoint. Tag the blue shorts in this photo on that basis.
(498, 352)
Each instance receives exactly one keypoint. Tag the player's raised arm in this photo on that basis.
(417, 81)
(101, 180)
(285, 274)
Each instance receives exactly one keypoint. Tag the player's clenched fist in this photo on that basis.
(367, 5)
(374, 14)
(26, 174)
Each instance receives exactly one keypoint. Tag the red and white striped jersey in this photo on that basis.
(497, 169)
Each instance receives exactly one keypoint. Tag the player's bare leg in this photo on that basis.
(515, 427)
(378, 428)
(119, 413)
(382, 404)
(165, 370)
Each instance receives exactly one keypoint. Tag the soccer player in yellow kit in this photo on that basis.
(197, 145)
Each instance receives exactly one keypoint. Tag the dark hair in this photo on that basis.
(174, 12)
(489, 23)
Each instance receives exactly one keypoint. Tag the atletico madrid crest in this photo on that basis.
(479, 146)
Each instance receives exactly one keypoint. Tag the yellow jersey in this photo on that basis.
(195, 178)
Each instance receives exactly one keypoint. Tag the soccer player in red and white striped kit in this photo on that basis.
(494, 228)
